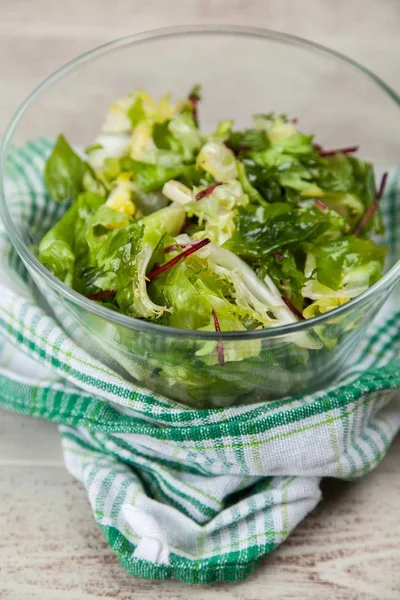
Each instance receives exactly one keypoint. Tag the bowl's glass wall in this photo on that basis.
(186, 368)
(242, 73)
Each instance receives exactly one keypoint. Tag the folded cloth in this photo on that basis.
(199, 496)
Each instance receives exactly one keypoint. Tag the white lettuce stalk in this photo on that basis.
(247, 283)
(264, 292)
(177, 192)
(218, 160)
(143, 305)
(244, 298)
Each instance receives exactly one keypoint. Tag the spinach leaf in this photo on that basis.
(64, 249)
(260, 231)
(64, 172)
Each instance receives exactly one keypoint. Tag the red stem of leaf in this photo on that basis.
(220, 353)
(294, 121)
(382, 185)
(292, 308)
(321, 205)
(187, 252)
(371, 210)
(102, 295)
(193, 101)
(220, 345)
(348, 150)
(278, 256)
(207, 191)
(216, 321)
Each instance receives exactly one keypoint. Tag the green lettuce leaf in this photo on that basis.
(136, 112)
(283, 135)
(276, 175)
(64, 249)
(149, 177)
(348, 186)
(164, 139)
(112, 167)
(346, 262)
(223, 131)
(265, 180)
(112, 253)
(64, 172)
(90, 183)
(192, 176)
(253, 194)
(121, 256)
(169, 221)
(181, 290)
(179, 137)
(287, 275)
(248, 140)
(192, 292)
(260, 231)
(217, 211)
(184, 130)
(261, 297)
(279, 219)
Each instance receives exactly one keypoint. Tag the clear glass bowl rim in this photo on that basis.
(145, 326)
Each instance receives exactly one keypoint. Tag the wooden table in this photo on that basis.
(50, 547)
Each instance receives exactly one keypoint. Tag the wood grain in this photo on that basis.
(50, 546)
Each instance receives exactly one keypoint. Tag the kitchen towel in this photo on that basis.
(199, 496)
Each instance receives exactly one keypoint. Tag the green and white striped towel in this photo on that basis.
(199, 496)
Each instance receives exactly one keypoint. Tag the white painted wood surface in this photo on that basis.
(50, 547)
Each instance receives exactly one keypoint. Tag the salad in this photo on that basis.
(223, 231)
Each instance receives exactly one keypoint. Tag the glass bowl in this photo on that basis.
(243, 71)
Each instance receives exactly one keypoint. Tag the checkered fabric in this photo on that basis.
(194, 495)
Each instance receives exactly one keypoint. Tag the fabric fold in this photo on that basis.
(195, 495)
